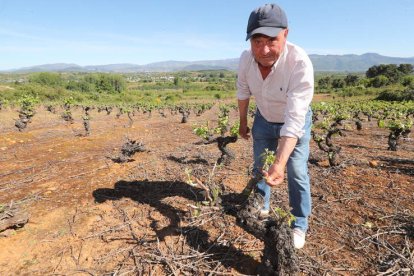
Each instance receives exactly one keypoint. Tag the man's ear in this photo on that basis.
(286, 32)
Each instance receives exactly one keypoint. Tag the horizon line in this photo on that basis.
(173, 60)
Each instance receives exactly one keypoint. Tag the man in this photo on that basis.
(279, 75)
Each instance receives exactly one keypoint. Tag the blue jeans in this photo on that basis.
(265, 135)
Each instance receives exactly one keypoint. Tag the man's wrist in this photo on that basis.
(243, 120)
(279, 163)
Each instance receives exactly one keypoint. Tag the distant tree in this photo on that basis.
(109, 83)
(408, 81)
(393, 74)
(85, 86)
(373, 71)
(102, 83)
(396, 95)
(379, 81)
(391, 71)
(406, 69)
(325, 82)
(72, 85)
(351, 80)
(338, 83)
(118, 82)
(46, 78)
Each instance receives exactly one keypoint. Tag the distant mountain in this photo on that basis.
(332, 63)
(49, 67)
(353, 63)
(121, 67)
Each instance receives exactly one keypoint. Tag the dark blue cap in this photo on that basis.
(269, 20)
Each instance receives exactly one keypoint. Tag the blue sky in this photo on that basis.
(90, 32)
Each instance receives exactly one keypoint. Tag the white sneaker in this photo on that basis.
(298, 238)
(263, 214)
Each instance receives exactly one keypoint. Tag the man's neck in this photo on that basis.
(264, 70)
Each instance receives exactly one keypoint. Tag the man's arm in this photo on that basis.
(299, 97)
(243, 94)
(243, 110)
(276, 172)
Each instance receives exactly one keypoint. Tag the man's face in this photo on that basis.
(266, 50)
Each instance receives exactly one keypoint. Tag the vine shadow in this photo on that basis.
(404, 166)
(153, 193)
(185, 160)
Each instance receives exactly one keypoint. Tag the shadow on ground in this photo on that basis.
(153, 193)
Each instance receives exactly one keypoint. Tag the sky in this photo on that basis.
(92, 32)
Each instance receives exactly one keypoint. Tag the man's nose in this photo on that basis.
(265, 49)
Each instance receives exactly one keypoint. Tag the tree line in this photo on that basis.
(376, 76)
(95, 82)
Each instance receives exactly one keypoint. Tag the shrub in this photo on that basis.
(387, 95)
(408, 81)
(46, 78)
(379, 81)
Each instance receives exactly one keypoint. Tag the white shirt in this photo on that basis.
(286, 93)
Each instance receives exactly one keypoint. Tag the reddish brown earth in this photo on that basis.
(91, 216)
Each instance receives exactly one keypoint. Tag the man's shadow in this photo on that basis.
(153, 193)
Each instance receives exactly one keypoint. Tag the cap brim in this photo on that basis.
(268, 31)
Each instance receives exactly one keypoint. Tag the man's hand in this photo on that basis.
(244, 131)
(275, 175)
(243, 128)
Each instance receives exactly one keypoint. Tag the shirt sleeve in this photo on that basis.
(243, 91)
(299, 97)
